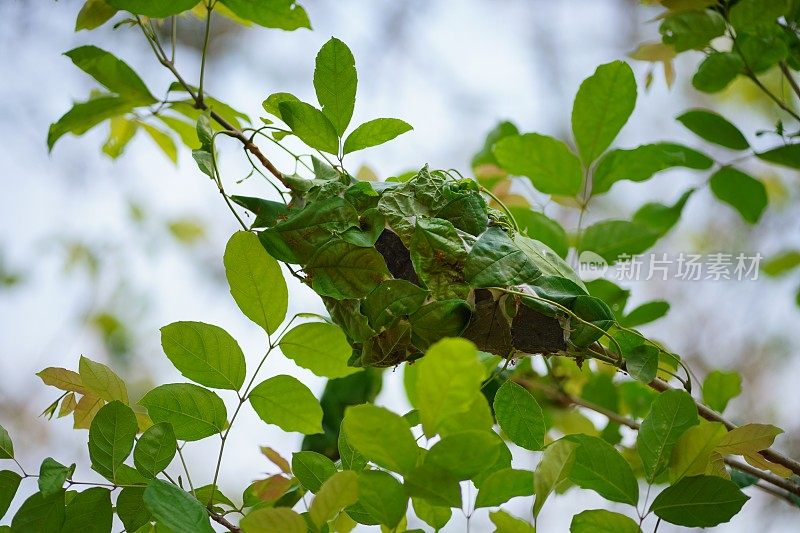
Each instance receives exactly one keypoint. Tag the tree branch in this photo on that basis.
(567, 399)
(221, 520)
(200, 104)
(713, 416)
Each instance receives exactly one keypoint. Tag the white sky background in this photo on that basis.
(450, 68)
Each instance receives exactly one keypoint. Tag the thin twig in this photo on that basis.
(567, 399)
(200, 104)
(788, 74)
(713, 416)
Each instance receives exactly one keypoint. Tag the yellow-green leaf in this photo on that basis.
(747, 439)
(102, 381)
(449, 378)
(692, 452)
(339, 491)
(256, 281)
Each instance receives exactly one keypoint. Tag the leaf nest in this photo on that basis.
(402, 264)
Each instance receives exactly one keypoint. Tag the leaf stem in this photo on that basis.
(209, 11)
(185, 468)
(503, 206)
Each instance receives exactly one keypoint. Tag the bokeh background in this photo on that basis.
(96, 255)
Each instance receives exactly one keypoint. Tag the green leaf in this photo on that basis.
(604, 102)
(111, 438)
(641, 163)
(547, 162)
(392, 299)
(754, 15)
(351, 458)
(282, 14)
(714, 128)
(6, 445)
(153, 8)
(256, 281)
(598, 466)
(205, 133)
(287, 403)
(546, 260)
(102, 381)
(155, 450)
(204, 353)
(435, 516)
(602, 521)
(642, 362)
(194, 412)
(312, 469)
(781, 263)
(660, 218)
(450, 377)
(763, 51)
(205, 162)
(742, 192)
(645, 313)
(299, 237)
(435, 485)
(94, 14)
(89, 512)
(699, 501)
(542, 228)
(672, 413)
(692, 452)
(506, 523)
(484, 163)
(436, 320)
(611, 239)
(437, 252)
(382, 497)
(553, 468)
(787, 155)
(721, 387)
(465, 454)
(342, 270)
(274, 100)
(717, 71)
(503, 485)
(86, 115)
(175, 508)
(335, 82)
(375, 132)
(9, 483)
(273, 520)
(339, 491)
(211, 495)
(381, 436)
(39, 513)
(131, 509)
(310, 125)
(319, 347)
(52, 476)
(496, 261)
(691, 30)
(112, 73)
(520, 416)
